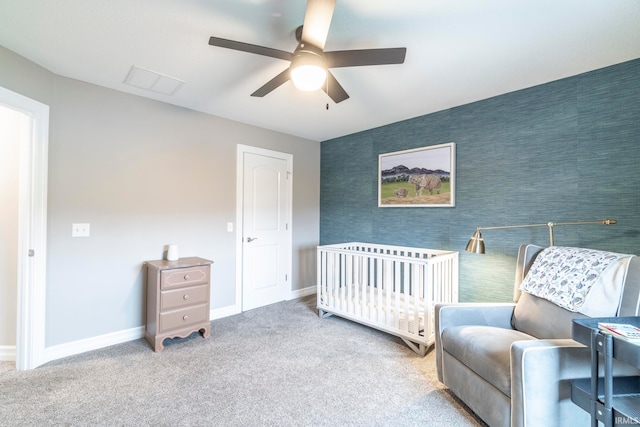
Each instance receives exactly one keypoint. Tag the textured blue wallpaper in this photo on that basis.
(564, 151)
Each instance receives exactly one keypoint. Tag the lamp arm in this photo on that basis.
(606, 221)
(551, 224)
(602, 221)
(512, 226)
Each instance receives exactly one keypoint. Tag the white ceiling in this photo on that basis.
(458, 51)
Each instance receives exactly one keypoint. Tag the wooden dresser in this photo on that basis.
(177, 299)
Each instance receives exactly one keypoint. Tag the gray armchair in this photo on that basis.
(511, 363)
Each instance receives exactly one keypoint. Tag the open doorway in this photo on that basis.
(24, 139)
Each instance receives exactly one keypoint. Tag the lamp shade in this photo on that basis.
(308, 70)
(476, 243)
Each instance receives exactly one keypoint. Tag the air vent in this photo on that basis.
(153, 81)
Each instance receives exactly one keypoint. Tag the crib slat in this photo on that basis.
(335, 270)
(432, 287)
(356, 297)
(417, 278)
(373, 289)
(350, 283)
(386, 283)
(397, 288)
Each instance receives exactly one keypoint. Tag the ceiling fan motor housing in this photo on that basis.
(307, 54)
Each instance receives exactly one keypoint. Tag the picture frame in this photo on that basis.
(420, 177)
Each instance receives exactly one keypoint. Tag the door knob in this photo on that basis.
(251, 239)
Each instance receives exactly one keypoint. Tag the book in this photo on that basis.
(624, 331)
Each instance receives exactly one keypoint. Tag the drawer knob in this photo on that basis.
(185, 297)
(186, 277)
(185, 317)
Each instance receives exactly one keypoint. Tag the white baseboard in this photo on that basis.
(94, 343)
(299, 293)
(7, 353)
(219, 313)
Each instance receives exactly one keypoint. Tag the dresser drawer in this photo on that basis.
(190, 295)
(170, 279)
(183, 318)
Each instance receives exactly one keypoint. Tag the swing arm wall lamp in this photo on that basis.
(476, 243)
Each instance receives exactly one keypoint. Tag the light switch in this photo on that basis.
(230, 227)
(80, 230)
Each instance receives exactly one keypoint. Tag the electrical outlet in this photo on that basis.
(80, 230)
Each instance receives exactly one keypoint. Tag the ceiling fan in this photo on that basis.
(310, 64)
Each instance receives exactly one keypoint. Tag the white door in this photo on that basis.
(32, 224)
(265, 228)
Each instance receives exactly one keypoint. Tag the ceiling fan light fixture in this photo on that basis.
(308, 77)
(308, 71)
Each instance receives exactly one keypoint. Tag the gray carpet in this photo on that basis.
(279, 365)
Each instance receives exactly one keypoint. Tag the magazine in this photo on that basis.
(625, 331)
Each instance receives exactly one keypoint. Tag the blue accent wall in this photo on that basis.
(564, 151)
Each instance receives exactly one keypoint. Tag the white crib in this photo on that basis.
(390, 288)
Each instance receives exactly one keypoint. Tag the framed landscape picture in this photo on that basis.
(421, 177)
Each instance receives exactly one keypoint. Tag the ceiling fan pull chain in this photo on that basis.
(327, 105)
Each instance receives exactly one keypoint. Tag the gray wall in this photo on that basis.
(563, 151)
(144, 174)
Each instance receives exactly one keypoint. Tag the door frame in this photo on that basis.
(241, 150)
(32, 231)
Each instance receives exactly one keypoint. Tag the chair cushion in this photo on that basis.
(541, 318)
(485, 350)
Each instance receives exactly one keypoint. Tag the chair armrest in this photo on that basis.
(455, 314)
(541, 371)
(481, 314)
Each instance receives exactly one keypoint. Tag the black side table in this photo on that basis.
(614, 401)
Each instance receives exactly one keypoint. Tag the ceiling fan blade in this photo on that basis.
(317, 20)
(251, 48)
(272, 84)
(334, 89)
(357, 58)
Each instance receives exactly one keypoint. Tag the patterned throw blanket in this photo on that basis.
(581, 280)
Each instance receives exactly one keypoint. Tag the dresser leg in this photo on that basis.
(155, 342)
(157, 346)
(206, 331)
